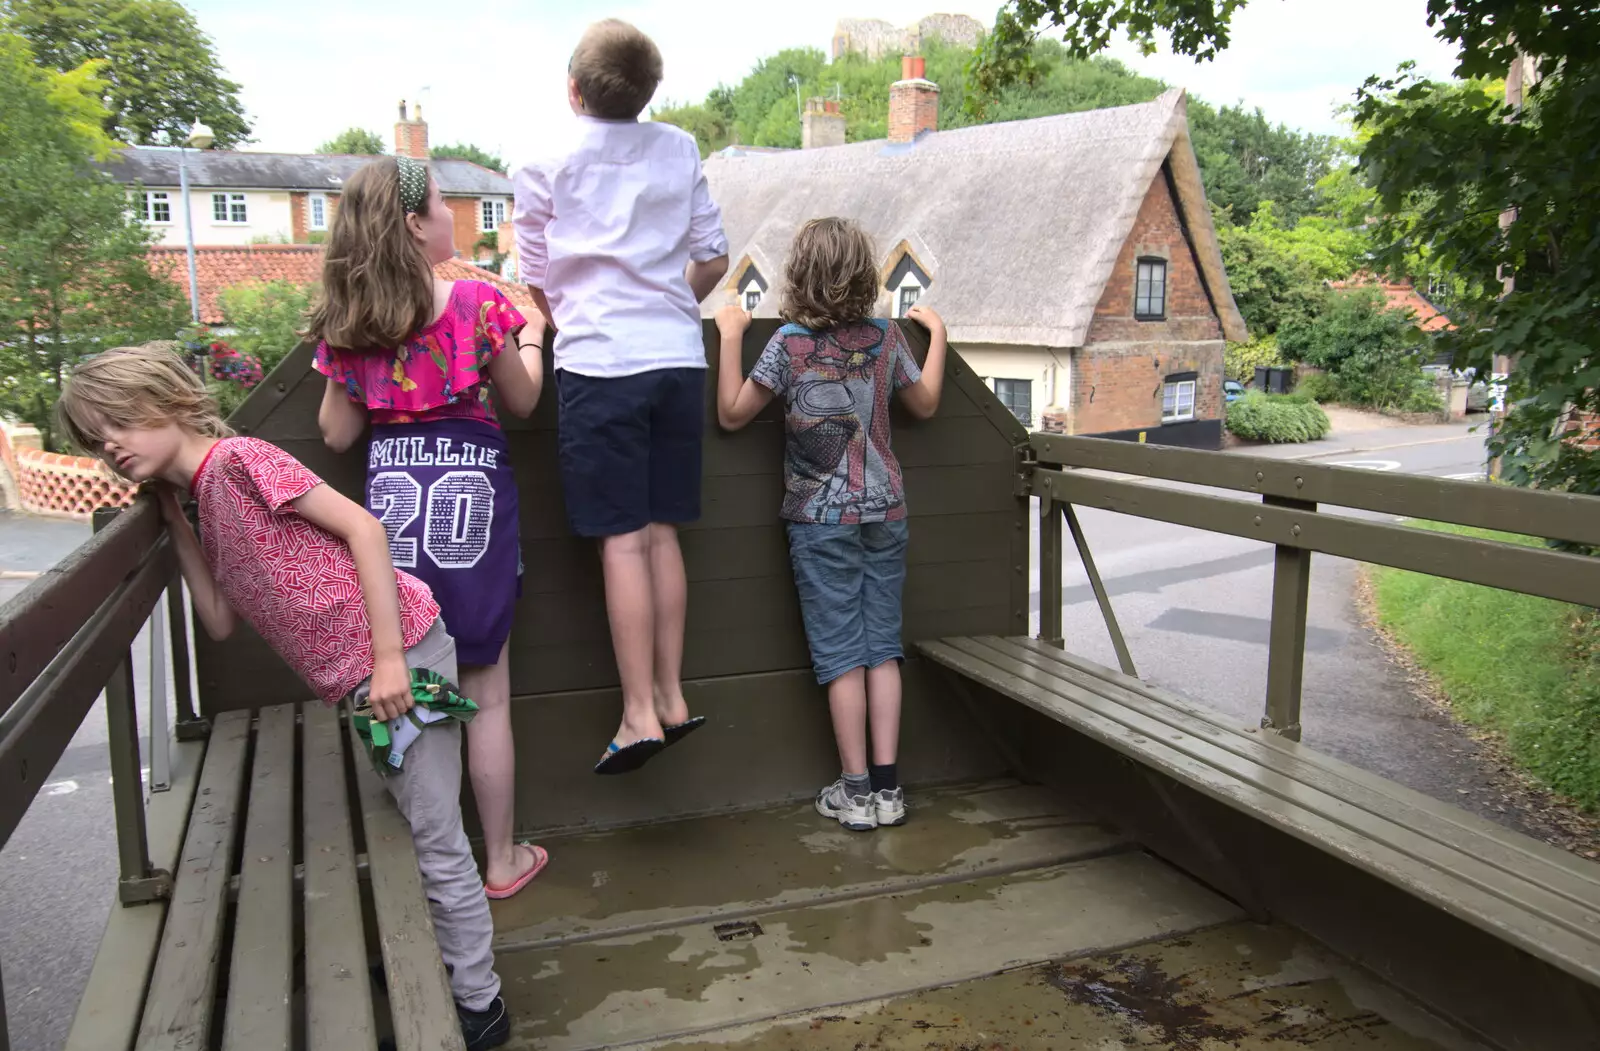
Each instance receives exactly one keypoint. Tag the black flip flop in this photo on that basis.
(626, 759)
(674, 734)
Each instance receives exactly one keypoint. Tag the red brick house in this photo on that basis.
(1073, 257)
(238, 197)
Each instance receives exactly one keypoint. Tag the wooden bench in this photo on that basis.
(1522, 892)
(267, 944)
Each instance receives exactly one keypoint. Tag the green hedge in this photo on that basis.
(1525, 667)
(1277, 418)
(1318, 386)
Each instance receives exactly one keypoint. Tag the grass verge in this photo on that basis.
(1526, 668)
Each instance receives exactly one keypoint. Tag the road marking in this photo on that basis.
(19, 574)
(59, 788)
(1465, 476)
(1368, 465)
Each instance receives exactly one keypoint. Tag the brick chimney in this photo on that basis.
(411, 134)
(822, 125)
(913, 101)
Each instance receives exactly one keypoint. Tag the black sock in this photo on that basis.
(883, 777)
(856, 785)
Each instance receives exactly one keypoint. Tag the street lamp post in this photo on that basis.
(200, 138)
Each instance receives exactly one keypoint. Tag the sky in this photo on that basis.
(492, 72)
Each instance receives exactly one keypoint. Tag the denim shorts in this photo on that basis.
(849, 578)
(630, 449)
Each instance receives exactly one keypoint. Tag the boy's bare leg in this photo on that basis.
(669, 594)
(847, 703)
(630, 607)
(883, 711)
(492, 765)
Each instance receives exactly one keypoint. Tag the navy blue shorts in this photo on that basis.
(849, 578)
(630, 448)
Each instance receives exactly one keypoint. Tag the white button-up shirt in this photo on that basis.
(606, 227)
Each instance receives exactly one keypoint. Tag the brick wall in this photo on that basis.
(913, 102)
(74, 486)
(299, 218)
(468, 215)
(1118, 375)
(1583, 430)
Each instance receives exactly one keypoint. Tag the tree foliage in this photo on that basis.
(469, 152)
(74, 278)
(160, 74)
(268, 319)
(1373, 353)
(353, 140)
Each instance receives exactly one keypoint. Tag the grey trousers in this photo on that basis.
(428, 791)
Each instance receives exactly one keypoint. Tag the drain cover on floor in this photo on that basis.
(739, 930)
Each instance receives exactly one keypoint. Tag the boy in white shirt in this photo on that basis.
(619, 241)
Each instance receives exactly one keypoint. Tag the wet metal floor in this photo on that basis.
(996, 918)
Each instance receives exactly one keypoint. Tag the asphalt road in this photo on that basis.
(1194, 607)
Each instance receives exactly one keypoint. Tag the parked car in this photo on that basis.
(1232, 390)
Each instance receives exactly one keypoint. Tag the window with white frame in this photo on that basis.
(229, 208)
(155, 206)
(909, 294)
(1016, 395)
(1150, 290)
(751, 287)
(494, 214)
(1177, 399)
(752, 298)
(318, 219)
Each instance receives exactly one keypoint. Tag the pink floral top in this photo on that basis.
(441, 372)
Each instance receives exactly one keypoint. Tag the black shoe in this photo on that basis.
(488, 1028)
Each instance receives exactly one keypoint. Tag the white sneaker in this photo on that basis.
(857, 813)
(890, 806)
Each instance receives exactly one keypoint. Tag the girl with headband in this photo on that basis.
(416, 356)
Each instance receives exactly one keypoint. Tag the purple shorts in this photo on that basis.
(446, 496)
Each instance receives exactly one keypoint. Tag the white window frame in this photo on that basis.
(147, 202)
(491, 214)
(311, 211)
(994, 385)
(235, 207)
(1178, 390)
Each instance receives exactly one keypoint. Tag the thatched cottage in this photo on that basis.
(1073, 257)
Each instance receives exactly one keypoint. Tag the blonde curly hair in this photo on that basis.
(831, 277)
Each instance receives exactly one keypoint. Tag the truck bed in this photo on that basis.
(998, 917)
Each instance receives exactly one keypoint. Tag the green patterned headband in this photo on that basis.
(413, 184)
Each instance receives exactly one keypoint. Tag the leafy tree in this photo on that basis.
(1272, 285)
(353, 140)
(160, 73)
(468, 152)
(1374, 353)
(267, 319)
(74, 278)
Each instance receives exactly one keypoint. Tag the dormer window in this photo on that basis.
(1150, 290)
(906, 283)
(751, 287)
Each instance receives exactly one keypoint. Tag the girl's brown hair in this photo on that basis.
(831, 278)
(145, 386)
(377, 286)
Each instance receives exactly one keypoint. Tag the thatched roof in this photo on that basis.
(316, 172)
(1018, 224)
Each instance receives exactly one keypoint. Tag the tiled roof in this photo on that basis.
(1403, 295)
(245, 170)
(220, 267)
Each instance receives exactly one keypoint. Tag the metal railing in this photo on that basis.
(63, 641)
(1066, 472)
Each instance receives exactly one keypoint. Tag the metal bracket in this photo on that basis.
(155, 887)
(193, 729)
(1022, 478)
(1292, 731)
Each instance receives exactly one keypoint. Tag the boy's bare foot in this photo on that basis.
(503, 878)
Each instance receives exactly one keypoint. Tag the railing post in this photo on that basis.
(1286, 654)
(160, 741)
(190, 727)
(1050, 571)
(5, 1025)
(139, 881)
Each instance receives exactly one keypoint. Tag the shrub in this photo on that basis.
(1277, 418)
(1318, 387)
(267, 319)
(1423, 397)
(1240, 360)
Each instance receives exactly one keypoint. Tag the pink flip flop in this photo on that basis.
(541, 858)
